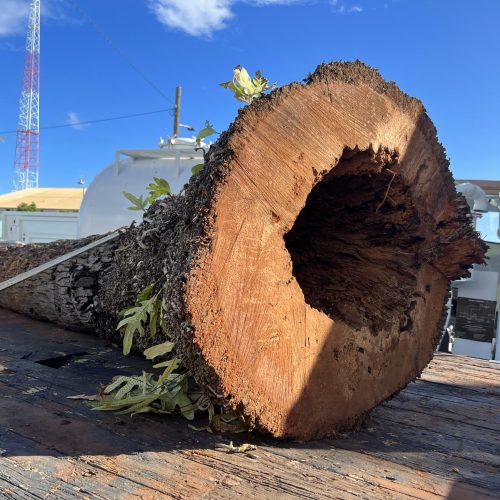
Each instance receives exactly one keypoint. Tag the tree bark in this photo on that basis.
(306, 266)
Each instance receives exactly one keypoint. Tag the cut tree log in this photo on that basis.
(306, 266)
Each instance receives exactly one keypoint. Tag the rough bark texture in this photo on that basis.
(306, 266)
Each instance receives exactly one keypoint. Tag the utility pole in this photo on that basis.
(27, 141)
(177, 110)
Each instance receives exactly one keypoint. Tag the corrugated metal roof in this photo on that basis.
(44, 198)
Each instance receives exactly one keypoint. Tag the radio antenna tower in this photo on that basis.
(26, 155)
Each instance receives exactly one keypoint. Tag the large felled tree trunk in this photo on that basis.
(306, 266)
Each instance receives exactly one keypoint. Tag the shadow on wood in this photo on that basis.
(440, 436)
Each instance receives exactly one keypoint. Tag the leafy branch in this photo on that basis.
(205, 132)
(148, 392)
(244, 87)
(159, 187)
(138, 202)
(144, 314)
(167, 392)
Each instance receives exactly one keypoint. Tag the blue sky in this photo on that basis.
(446, 52)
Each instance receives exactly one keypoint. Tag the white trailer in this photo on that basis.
(38, 227)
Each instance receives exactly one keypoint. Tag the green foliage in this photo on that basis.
(197, 168)
(205, 132)
(144, 393)
(244, 87)
(25, 207)
(159, 350)
(138, 202)
(167, 392)
(159, 187)
(144, 314)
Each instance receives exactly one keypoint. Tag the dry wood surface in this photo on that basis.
(439, 438)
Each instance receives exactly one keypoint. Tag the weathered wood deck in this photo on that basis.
(438, 438)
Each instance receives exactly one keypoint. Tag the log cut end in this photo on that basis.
(306, 266)
(330, 228)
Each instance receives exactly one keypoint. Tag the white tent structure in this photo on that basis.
(105, 208)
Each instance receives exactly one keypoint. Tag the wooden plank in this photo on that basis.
(402, 479)
(438, 463)
(144, 434)
(468, 397)
(471, 369)
(466, 373)
(92, 438)
(64, 379)
(187, 472)
(440, 357)
(416, 445)
(459, 380)
(478, 416)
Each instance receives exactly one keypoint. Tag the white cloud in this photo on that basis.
(195, 17)
(340, 7)
(202, 17)
(260, 3)
(75, 122)
(13, 17)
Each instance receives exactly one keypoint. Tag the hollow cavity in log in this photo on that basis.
(354, 245)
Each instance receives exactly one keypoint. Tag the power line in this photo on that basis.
(118, 50)
(89, 122)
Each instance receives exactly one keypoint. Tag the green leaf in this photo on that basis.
(115, 404)
(159, 187)
(185, 405)
(197, 168)
(127, 388)
(144, 295)
(163, 364)
(140, 406)
(159, 350)
(117, 382)
(171, 365)
(128, 337)
(134, 320)
(153, 318)
(207, 131)
(138, 202)
(146, 409)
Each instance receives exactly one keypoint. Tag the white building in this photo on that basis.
(56, 215)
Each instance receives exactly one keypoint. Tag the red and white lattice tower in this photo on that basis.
(26, 156)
